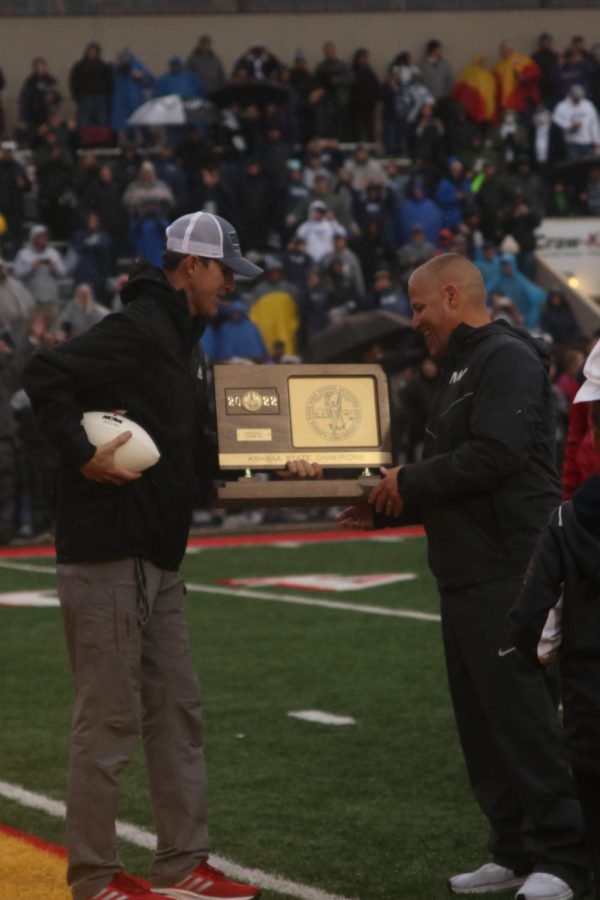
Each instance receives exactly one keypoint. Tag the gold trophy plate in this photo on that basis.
(267, 415)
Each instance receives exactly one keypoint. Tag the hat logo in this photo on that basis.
(235, 242)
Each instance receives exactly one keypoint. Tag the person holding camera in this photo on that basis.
(40, 267)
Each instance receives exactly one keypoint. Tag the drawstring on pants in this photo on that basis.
(141, 593)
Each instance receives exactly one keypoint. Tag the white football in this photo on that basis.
(138, 453)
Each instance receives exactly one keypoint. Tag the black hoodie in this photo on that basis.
(565, 570)
(488, 478)
(144, 361)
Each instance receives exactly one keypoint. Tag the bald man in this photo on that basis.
(484, 489)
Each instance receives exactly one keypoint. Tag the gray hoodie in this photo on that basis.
(40, 271)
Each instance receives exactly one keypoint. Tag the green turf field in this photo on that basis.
(378, 810)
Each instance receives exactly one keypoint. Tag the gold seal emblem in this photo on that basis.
(252, 401)
(333, 412)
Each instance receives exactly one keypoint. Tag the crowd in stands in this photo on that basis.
(339, 181)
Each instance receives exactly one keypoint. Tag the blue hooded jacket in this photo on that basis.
(233, 334)
(527, 296)
(418, 209)
(129, 92)
(447, 197)
(183, 82)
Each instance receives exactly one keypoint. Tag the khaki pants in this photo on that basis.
(131, 679)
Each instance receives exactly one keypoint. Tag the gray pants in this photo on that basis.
(132, 677)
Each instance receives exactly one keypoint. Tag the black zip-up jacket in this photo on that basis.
(564, 575)
(144, 361)
(488, 478)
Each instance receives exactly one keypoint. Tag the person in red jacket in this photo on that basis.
(518, 80)
(581, 457)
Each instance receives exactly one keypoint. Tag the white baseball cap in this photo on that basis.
(204, 234)
(590, 389)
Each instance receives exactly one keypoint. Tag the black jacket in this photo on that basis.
(37, 95)
(566, 568)
(144, 361)
(90, 77)
(488, 478)
(13, 184)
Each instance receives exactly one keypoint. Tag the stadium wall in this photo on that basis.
(155, 38)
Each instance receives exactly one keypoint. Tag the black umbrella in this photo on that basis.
(574, 171)
(249, 93)
(344, 340)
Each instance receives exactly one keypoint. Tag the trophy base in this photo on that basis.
(255, 491)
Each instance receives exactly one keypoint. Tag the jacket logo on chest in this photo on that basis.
(456, 376)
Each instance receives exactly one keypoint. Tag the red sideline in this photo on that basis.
(250, 540)
(36, 842)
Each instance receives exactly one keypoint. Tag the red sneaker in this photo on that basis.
(122, 887)
(208, 883)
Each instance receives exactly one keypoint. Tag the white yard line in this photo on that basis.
(309, 601)
(31, 599)
(27, 567)
(142, 838)
(287, 545)
(323, 718)
(294, 599)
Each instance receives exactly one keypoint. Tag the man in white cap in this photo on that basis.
(120, 539)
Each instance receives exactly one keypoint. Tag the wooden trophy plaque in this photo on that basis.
(336, 415)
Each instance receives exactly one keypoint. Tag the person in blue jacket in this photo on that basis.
(452, 194)
(93, 246)
(147, 233)
(528, 297)
(132, 85)
(179, 80)
(487, 260)
(418, 209)
(232, 334)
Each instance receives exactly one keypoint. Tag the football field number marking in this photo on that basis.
(294, 599)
